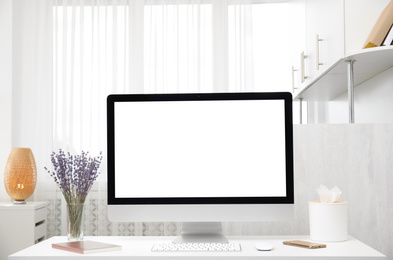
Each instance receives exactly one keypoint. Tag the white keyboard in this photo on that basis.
(194, 247)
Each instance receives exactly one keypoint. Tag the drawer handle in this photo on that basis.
(39, 223)
(317, 51)
(303, 77)
(293, 79)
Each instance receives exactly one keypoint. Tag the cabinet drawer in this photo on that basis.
(40, 215)
(40, 232)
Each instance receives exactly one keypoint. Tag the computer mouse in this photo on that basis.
(263, 246)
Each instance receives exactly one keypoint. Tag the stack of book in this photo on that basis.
(382, 33)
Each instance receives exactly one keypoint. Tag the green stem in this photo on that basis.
(75, 215)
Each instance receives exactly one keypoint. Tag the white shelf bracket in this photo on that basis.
(351, 99)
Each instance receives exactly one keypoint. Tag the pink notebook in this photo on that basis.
(86, 247)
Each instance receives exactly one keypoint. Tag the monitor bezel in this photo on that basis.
(285, 96)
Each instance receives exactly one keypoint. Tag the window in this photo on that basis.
(102, 47)
(126, 46)
(271, 47)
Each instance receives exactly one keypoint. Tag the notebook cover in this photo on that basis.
(86, 247)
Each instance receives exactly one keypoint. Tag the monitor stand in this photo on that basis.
(197, 232)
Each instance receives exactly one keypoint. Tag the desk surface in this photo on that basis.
(140, 248)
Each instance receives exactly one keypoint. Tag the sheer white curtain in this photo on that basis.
(137, 46)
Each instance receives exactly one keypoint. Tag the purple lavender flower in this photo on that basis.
(75, 174)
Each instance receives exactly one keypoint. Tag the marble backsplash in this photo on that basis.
(358, 158)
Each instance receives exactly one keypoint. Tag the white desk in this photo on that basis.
(140, 248)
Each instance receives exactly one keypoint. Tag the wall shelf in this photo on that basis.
(334, 81)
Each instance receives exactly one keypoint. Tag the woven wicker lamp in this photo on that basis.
(20, 175)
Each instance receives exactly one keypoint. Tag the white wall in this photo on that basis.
(32, 82)
(360, 18)
(26, 80)
(5, 89)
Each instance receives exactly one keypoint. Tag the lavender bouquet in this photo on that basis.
(75, 175)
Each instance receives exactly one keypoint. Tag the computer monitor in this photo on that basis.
(200, 159)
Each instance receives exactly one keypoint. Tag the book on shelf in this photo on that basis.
(389, 37)
(86, 247)
(381, 28)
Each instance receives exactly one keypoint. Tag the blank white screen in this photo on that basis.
(200, 149)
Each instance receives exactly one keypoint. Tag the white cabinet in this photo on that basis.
(324, 34)
(21, 226)
(318, 37)
(297, 12)
(342, 26)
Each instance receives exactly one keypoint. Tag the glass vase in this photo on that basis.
(75, 221)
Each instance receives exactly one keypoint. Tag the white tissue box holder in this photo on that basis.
(328, 221)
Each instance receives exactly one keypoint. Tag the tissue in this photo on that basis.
(328, 196)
